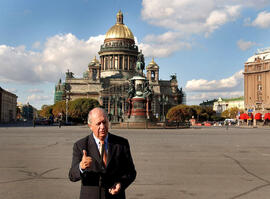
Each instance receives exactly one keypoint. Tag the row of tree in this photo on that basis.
(77, 109)
(182, 113)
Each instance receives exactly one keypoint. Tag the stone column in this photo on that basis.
(128, 64)
(109, 104)
(103, 66)
(118, 62)
(123, 62)
(113, 66)
(123, 106)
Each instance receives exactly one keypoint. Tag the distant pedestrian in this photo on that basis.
(227, 125)
(60, 123)
(60, 118)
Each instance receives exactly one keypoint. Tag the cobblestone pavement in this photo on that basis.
(201, 163)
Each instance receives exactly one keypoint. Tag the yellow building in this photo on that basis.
(257, 82)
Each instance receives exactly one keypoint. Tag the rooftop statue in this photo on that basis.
(69, 74)
(140, 65)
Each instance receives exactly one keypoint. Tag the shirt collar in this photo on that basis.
(97, 140)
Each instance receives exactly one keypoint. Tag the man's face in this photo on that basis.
(99, 124)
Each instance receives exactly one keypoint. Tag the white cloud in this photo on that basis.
(157, 49)
(201, 89)
(17, 64)
(163, 45)
(262, 20)
(235, 82)
(12, 90)
(36, 45)
(197, 98)
(190, 16)
(60, 53)
(218, 18)
(34, 97)
(35, 90)
(245, 45)
(37, 100)
(258, 4)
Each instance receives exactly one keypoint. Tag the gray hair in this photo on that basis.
(91, 111)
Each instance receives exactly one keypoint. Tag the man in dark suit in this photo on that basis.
(102, 161)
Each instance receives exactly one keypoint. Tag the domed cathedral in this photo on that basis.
(107, 79)
(118, 54)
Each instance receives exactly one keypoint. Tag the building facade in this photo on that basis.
(8, 103)
(107, 79)
(27, 112)
(257, 82)
(224, 104)
(208, 103)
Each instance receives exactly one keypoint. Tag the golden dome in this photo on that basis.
(152, 65)
(94, 62)
(119, 30)
(152, 62)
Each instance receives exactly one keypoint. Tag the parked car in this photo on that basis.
(42, 121)
(230, 121)
(207, 124)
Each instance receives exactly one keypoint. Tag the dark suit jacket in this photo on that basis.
(120, 167)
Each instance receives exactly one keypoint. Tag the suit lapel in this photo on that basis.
(92, 148)
(111, 148)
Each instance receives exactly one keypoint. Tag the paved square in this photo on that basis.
(206, 163)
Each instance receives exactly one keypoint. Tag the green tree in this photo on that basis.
(59, 107)
(46, 111)
(208, 113)
(179, 113)
(79, 108)
(231, 112)
(197, 111)
(185, 112)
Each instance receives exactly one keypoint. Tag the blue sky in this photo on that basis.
(206, 43)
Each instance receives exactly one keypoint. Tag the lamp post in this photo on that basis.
(112, 108)
(163, 100)
(66, 110)
(67, 87)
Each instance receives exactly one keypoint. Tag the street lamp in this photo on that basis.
(163, 100)
(66, 110)
(67, 87)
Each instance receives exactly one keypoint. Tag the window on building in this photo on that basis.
(259, 78)
(130, 62)
(94, 74)
(121, 62)
(152, 75)
(106, 63)
(259, 87)
(105, 103)
(111, 62)
(116, 62)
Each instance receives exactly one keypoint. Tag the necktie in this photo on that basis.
(103, 152)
